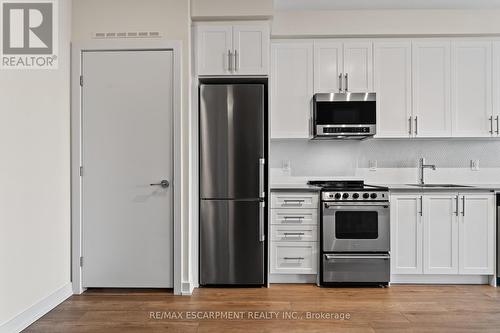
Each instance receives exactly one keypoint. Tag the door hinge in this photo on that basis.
(81, 261)
(81, 171)
(81, 80)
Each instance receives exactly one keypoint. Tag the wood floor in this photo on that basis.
(394, 309)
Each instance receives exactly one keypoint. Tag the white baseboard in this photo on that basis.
(439, 279)
(293, 278)
(37, 310)
(187, 288)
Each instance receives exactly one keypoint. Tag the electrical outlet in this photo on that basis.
(474, 165)
(286, 167)
(372, 165)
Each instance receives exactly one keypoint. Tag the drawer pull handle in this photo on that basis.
(294, 258)
(293, 202)
(293, 234)
(294, 218)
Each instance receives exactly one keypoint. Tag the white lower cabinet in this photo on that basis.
(294, 246)
(440, 226)
(443, 233)
(406, 234)
(294, 257)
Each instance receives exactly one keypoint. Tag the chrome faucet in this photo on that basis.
(421, 167)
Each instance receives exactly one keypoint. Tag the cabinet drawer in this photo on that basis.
(294, 257)
(294, 216)
(291, 233)
(294, 200)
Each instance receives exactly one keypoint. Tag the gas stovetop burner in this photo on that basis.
(350, 190)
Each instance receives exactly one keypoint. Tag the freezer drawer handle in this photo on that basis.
(262, 206)
(336, 256)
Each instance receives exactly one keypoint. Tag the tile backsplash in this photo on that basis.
(345, 158)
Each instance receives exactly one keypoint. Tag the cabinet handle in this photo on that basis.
(491, 125)
(293, 258)
(416, 125)
(340, 82)
(421, 206)
(236, 65)
(229, 67)
(456, 205)
(463, 205)
(346, 82)
(293, 234)
(498, 129)
(410, 127)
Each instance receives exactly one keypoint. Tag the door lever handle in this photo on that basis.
(163, 183)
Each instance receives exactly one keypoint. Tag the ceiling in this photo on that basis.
(384, 4)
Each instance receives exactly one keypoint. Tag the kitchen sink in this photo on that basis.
(438, 185)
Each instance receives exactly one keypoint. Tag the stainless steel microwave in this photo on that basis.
(344, 115)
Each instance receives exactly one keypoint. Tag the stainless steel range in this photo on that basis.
(355, 233)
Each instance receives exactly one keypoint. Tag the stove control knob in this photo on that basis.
(355, 195)
(366, 195)
(345, 195)
(337, 195)
(373, 195)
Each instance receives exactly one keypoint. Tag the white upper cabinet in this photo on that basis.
(440, 234)
(328, 67)
(214, 46)
(406, 234)
(472, 89)
(358, 66)
(392, 76)
(291, 89)
(431, 88)
(496, 87)
(343, 66)
(477, 233)
(232, 49)
(251, 49)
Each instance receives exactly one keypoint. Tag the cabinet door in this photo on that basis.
(471, 89)
(431, 88)
(214, 42)
(358, 65)
(328, 65)
(406, 235)
(496, 87)
(477, 239)
(291, 89)
(440, 233)
(393, 87)
(251, 49)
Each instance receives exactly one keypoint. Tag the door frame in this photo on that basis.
(77, 50)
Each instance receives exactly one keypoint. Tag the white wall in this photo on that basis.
(35, 181)
(231, 9)
(384, 22)
(172, 19)
(396, 160)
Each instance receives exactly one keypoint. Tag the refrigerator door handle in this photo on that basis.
(262, 214)
(262, 164)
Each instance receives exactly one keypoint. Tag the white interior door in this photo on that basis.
(127, 145)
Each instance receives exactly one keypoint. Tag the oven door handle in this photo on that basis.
(358, 205)
(353, 256)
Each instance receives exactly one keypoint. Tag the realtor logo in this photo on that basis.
(29, 34)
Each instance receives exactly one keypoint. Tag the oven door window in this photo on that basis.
(356, 225)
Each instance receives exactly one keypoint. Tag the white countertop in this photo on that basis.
(392, 187)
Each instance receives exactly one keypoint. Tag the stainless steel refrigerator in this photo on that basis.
(233, 127)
